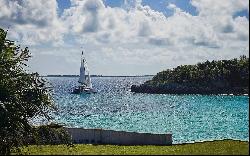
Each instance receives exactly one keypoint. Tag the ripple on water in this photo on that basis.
(188, 117)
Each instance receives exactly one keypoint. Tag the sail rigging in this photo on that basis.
(84, 78)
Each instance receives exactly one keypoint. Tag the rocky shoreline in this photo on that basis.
(188, 89)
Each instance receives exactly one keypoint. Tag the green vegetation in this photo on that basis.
(50, 134)
(224, 147)
(23, 96)
(233, 72)
(215, 77)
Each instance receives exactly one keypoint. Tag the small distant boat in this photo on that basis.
(85, 85)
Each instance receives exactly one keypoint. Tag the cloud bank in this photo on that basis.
(131, 36)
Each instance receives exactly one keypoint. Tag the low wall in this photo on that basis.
(100, 136)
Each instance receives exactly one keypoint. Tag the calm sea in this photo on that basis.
(188, 117)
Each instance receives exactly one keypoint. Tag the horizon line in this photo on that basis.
(93, 75)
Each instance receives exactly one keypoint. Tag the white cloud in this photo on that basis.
(220, 13)
(171, 6)
(131, 35)
(222, 7)
(32, 22)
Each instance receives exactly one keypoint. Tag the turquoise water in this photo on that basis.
(188, 117)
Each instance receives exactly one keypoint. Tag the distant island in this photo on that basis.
(210, 77)
(98, 76)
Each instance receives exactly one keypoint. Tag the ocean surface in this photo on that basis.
(190, 118)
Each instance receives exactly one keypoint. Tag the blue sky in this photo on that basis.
(63, 4)
(126, 37)
(159, 5)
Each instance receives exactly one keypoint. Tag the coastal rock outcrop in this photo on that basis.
(182, 89)
(215, 77)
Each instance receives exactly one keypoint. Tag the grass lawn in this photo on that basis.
(224, 147)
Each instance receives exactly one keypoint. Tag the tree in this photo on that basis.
(215, 77)
(23, 96)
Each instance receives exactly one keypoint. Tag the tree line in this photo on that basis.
(209, 77)
(233, 73)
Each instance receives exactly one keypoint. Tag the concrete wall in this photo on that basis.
(99, 136)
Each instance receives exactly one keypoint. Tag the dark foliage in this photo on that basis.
(23, 96)
(215, 77)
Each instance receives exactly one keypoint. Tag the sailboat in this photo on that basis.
(85, 85)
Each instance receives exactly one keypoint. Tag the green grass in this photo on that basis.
(224, 147)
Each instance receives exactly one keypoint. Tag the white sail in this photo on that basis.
(84, 79)
(82, 75)
(88, 79)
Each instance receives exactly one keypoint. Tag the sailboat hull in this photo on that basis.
(84, 91)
